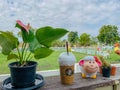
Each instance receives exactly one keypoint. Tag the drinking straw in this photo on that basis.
(67, 48)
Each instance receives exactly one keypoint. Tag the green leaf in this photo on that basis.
(12, 56)
(46, 35)
(34, 45)
(42, 52)
(28, 37)
(8, 42)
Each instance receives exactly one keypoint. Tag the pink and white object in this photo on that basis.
(89, 66)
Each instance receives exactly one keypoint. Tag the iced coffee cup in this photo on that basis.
(66, 62)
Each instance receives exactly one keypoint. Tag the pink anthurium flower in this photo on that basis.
(23, 26)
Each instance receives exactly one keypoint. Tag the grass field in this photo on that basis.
(51, 62)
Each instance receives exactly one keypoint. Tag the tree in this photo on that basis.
(58, 43)
(108, 34)
(84, 39)
(73, 37)
(93, 40)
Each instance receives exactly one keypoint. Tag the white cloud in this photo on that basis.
(78, 15)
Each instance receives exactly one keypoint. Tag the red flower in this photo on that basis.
(25, 27)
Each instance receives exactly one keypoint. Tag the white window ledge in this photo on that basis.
(48, 73)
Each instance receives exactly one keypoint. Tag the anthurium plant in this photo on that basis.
(35, 43)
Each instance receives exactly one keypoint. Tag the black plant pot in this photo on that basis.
(22, 77)
(106, 71)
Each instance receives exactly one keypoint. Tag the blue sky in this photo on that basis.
(75, 15)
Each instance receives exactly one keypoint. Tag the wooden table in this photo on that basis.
(53, 82)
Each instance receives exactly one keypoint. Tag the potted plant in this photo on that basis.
(35, 43)
(105, 68)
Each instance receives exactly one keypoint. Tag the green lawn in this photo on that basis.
(50, 62)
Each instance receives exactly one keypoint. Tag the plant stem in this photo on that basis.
(20, 62)
(25, 53)
(28, 56)
(23, 47)
(22, 51)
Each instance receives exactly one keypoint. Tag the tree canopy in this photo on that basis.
(108, 34)
(84, 39)
(73, 37)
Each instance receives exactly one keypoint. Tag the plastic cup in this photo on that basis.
(66, 62)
